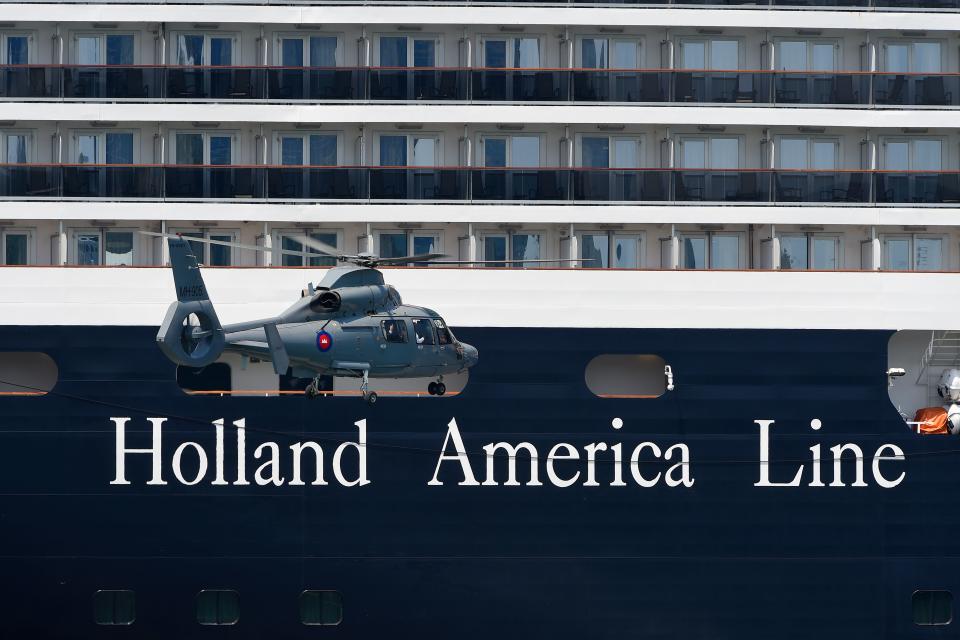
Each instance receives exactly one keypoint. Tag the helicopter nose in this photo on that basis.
(470, 355)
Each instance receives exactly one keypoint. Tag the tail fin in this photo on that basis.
(191, 333)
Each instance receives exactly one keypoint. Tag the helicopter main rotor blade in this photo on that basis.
(322, 247)
(226, 243)
(534, 261)
(420, 257)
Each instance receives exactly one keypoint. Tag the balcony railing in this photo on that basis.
(481, 184)
(344, 84)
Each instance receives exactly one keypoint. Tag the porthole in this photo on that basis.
(932, 607)
(321, 608)
(26, 373)
(218, 607)
(114, 607)
(626, 376)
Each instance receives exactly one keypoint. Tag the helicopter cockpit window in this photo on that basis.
(424, 331)
(443, 334)
(394, 330)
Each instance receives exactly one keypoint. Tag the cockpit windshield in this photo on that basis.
(443, 334)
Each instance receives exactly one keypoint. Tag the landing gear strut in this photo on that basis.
(370, 397)
(437, 388)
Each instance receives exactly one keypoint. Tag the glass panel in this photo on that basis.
(291, 52)
(928, 254)
(693, 55)
(323, 51)
(393, 51)
(793, 153)
(596, 152)
(220, 150)
(114, 607)
(694, 253)
(119, 148)
(824, 155)
(88, 248)
(793, 252)
(693, 154)
(189, 49)
(593, 53)
(15, 248)
(525, 246)
(88, 149)
(120, 49)
(393, 245)
(494, 248)
(424, 152)
(896, 156)
(724, 252)
(119, 245)
(825, 253)
(17, 50)
(898, 58)
(896, 254)
(596, 249)
(424, 244)
(494, 152)
(88, 50)
(288, 259)
(625, 55)
(626, 154)
(525, 151)
(824, 57)
(393, 151)
(725, 153)
(221, 52)
(291, 150)
(198, 249)
(189, 148)
(926, 57)
(495, 53)
(329, 238)
(424, 53)
(220, 254)
(16, 148)
(423, 330)
(526, 53)
(792, 56)
(724, 54)
(927, 155)
(323, 150)
(625, 252)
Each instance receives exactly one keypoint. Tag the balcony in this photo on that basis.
(344, 84)
(475, 184)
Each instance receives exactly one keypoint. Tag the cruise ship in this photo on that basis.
(715, 248)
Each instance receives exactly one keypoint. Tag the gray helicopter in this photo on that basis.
(351, 324)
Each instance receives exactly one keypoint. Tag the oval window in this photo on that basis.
(626, 376)
(26, 373)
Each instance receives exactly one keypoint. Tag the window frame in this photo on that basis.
(31, 37)
(133, 596)
(30, 234)
(612, 237)
(31, 147)
(235, 47)
(277, 236)
(708, 250)
(91, 33)
(911, 42)
(709, 40)
(205, 233)
(809, 141)
(304, 135)
(637, 139)
(233, 134)
(508, 236)
(912, 150)
(437, 38)
(434, 341)
(101, 135)
(912, 244)
(73, 251)
(483, 38)
(810, 237)
(638, 41)
(320, 591)
(482, 138)
(709, 138)
(410, 136)
(810, 43)
(279, 36)
(437, 235)
(913, 597)
(401, 322)
(216, 624)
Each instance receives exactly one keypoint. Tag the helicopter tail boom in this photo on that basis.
(191, 334)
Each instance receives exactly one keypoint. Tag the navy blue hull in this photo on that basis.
(722, 559)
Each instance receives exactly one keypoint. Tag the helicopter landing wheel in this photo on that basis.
(371, 397)
(432, 388)
(311, 391)
(441, 389)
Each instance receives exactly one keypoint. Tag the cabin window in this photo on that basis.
(932, 607)
(26, 373)
(424, 331)
(112, 607)
(394, 330)
(443, 334)
(218, 607)
(321, 608)
(626, 376)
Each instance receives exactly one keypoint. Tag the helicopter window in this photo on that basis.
(424, 331)
(443, 334)
(394, 330)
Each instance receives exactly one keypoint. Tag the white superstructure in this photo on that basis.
(767, 135)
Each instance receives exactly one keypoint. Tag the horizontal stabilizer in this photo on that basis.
(278, 352)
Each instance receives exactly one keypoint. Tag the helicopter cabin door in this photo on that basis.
(427, 359)
(397, 348)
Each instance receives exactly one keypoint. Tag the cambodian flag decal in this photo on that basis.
(324, 341)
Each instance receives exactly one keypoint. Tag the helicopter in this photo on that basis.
(351, 324)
